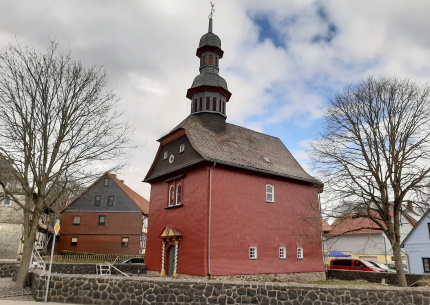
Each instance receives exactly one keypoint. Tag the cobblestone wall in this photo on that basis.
(8, 269)
(112, 290)
(373, 277)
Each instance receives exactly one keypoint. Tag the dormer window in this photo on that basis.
(181, 148)
(267, 160)
(166, 155)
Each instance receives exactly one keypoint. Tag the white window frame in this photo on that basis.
(172, 195)
(300, 253)
(253, 253)
(181, 148)
(166, 155)
(282, 253)
(178, 194)
(270, 193)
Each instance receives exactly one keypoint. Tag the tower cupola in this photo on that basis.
(209, 92)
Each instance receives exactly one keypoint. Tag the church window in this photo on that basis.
(201, 104)
(300, 253)
(223, 107)
(210, 59)
(270, 193)
(195, 105)
(203, 60)
(214, 104)
(171, 195)
(175, 192)
(216, 61)
(282, 253)
(179, 194)
(208, 100)
(252, 252)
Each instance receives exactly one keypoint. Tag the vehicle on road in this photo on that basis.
(353, 264)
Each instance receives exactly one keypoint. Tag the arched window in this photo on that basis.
(201, 104)
(270, 193)
(195, 105)
(208, 101)
(214, 104)
(216, 61)
(179, 194)
(223, 107)
(210, 59)
(203, 60)
(171, 195)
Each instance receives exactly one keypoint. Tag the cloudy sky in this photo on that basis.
(283, 60)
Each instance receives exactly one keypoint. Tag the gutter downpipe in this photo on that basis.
(210, 221)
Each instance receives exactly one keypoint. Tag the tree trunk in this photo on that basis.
(21, 279)
(401, 278)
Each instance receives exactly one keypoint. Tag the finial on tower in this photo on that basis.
(212, 11)
(210, 17)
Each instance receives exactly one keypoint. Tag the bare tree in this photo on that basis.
(56, 122)
(374, 154)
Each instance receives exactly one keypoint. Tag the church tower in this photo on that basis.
(209, 92)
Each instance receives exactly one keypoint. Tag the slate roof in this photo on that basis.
(240, 147)
(138, 200)
(209, 79)
(210, 39)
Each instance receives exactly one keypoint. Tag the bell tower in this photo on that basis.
(209, 92)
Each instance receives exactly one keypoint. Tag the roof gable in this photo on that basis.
(419, 231)
(125, 199)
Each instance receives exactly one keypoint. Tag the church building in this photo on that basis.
(227, 201)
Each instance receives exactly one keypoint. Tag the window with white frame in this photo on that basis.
(166, 155)
(145, 222)
(426, 264)
(175, 193)
(74, 241)
(282, 253)
(300, 253)
(270, 193)
(252, 252)
(182, 148)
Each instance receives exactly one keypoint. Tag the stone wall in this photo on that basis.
(112, 290)
(8, 269)
(373, 277)
(130, 269)
(280, 277)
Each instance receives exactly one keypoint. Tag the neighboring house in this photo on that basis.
(107, 218)
(12, 218)
(361, 238)
(227, 200)
(417, 246)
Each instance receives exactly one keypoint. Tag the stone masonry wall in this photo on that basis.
(115, 290)
(373, 277)
(280, 277)
(8, 269)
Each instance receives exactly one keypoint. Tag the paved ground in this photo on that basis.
(9, 295)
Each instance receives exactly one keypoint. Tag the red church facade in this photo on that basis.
(226, 200)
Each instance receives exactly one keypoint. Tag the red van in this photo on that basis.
(353, 264)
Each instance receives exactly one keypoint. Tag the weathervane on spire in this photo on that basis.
(212, 11)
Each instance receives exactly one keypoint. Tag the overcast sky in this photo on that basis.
(283, 59)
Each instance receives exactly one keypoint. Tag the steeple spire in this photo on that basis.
(209, 92)
(210, 17)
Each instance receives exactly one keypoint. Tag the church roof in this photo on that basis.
(240, 147)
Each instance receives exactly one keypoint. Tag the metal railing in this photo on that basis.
(90, 258)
